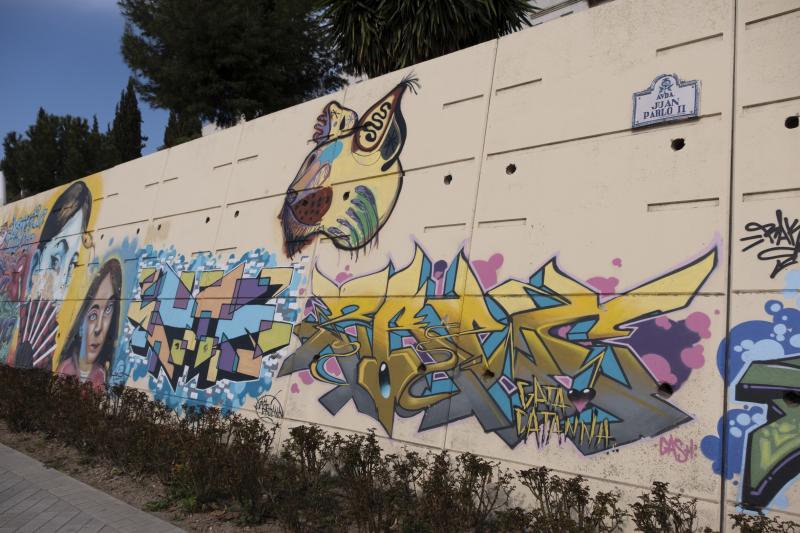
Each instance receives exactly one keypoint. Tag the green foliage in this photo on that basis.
(377, 37)
(181, 128)
(305, 500)
(660, 512)
(761, 524)
(223, 59)
(564, 504)
(59, 149)
(53, 151)
(323, 482)
(126, 132)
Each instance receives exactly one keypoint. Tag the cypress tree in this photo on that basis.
(181, 127)
(126, 131)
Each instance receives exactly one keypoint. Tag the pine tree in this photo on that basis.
(126, 131)
(224, 59)
(181, 127)
(54, 150)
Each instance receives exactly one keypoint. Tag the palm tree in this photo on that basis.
(378, 36)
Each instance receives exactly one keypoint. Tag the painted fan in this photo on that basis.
(38, 329)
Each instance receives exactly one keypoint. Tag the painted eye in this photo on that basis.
(383, 380)
(55, 262)
(92, 316)
(108, 310)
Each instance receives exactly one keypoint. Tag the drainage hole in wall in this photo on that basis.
(208, 219)
(137, 231)
(792, 122)
(678, 144)
(159, 227)
(236, 214)
(792, 397)
(488, 374)
(448, 179)
(422, 367)
(101, 236)
(346, 196)
(510, 169)
(665, 390)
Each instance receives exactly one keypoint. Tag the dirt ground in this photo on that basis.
(137, 491)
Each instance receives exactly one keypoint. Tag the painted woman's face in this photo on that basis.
(98, 320)
(54, 264)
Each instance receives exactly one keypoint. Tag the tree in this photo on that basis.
(221, 60)
(33, 163)
(380, 36)
(181, 127)
(54, 150)
(126, 132)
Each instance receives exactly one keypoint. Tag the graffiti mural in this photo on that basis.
(348, 149)
(763, 440)
(205, 330)
(16, 237)
(91, 344)
(44, 247)
(542, 359)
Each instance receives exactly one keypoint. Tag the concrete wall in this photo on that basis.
(476, 253)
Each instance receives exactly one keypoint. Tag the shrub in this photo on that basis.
(563, 504)
(658, 512)
(305, 498)
(324, 482)
(761, 524)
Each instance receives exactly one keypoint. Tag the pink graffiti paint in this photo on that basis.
(343, 276)
(564, 381)
(660, 368)
(663, 322)
(699, 323)
(295, 388)
(306, 377)
(681, 451)
(693, 356)
(487, 270)
(617, 262)
(604, 285)
(332, 367)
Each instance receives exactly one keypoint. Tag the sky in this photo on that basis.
(64, 55)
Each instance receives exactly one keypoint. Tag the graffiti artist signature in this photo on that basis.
(681, 451)
(269, 408)
(782, 237)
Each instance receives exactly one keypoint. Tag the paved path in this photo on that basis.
(36, 498)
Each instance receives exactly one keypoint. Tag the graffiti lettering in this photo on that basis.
(782, 238)
(679, 450)
(400, 356)
(543, 414)
(772, 458)
(20, 230)
(763, 437)
(210, 325)
(269, 408)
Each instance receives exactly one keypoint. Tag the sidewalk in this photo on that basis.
(36, 498)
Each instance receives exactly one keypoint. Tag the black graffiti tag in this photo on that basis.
(269, 408)
(781, 240)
